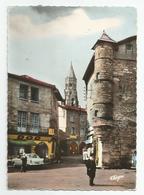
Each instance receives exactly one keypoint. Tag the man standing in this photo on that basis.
(91, 169)
(24, 162)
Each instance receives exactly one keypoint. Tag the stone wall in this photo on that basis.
(46, 107)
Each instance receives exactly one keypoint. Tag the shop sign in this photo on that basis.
(73, 136)
(28, 137)
(51, 131)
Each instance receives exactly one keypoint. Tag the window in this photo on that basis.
(23, 91)
(72, 101)
(22, 121)
(35, 122)
(34, 94)
(129, 46)
(97, 76)
(96, 112)
(72, 118)
(72, 130)
(82, 132)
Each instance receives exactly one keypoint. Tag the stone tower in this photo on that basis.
(71, 88)
(110, 80)
(103, 70)
(103, 102)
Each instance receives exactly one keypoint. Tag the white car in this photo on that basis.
(32, 159)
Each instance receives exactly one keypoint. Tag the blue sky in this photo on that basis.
(42, 41)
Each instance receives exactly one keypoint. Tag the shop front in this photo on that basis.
(44, 146)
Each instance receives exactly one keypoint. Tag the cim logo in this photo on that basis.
(28, 137)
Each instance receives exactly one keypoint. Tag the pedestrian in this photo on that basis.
(89, 150)
(24, 162)
(58, 155)
(85, 155)
(91, 169)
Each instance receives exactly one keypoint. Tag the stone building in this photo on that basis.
(110, 80)
(73, 121)
(32, 116)
(72, 118)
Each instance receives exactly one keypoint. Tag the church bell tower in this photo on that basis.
(71, 98)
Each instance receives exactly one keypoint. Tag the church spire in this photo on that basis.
(71, 72)
(71, 88)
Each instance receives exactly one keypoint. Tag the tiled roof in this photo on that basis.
(105, 38)
(74, 108)
(29, 79)
(127, 39)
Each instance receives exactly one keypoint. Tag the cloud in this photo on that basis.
(75, 25)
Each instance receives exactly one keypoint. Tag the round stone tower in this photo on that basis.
(103, 71)
(103, 98)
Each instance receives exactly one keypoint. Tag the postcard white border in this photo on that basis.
(138, 4)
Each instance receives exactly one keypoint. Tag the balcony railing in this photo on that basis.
(29, 130)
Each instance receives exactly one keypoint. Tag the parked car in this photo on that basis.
(32, 160)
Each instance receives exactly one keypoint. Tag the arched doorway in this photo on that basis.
(81, 146)
(42, 150)
(73, 148)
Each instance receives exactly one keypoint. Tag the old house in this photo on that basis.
(110, 80)
(72, 118)
(32, 116)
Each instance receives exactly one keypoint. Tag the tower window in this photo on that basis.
(97, 75)
(96, 112)
(72, 130)
(72, 101)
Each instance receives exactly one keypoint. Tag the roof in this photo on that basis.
(128, 39)
(74, 108)
(32, 80)
(89, 70)
(105, 38)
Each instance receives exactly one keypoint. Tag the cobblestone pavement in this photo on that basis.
(71, 175)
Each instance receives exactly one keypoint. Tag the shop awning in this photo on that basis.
(19, 142)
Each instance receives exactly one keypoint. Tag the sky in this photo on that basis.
(43, 41)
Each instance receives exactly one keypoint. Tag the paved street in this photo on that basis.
(71, 175)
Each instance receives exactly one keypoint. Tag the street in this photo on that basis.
(71, 175)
